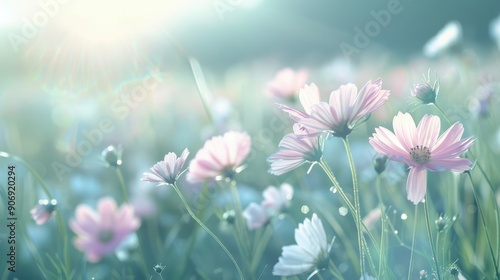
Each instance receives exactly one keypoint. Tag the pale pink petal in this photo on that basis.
(321, 118)
(295, 114)
(370, 98)
(450, 136)
(405, 130)
(416, 184)
(106, 208)
(386, 143)
(428, 130)
(309, 96)
(452, 149)
(451, 164)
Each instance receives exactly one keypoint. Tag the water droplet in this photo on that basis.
(394, 212)
(333, 189)
(423, 200)
(404, 216)
(343, 211)
(304, 209)
(396, 232)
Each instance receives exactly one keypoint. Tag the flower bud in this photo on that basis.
(380, 163)
(229, 216)
(112, 156)
(43, 211)
(441, 222)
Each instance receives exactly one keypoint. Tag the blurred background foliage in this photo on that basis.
(82, 67)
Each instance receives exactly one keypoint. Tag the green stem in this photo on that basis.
(442, 113)
(495, 209)
(60, 222)
(122, 184)
(382, 255)
(336, 184)
(126, 199)
(241, 228)
(201, 207)
(413, 242)
(495, 264)
(356, 205)
(188, 208)
(335, 271)
(431, 240)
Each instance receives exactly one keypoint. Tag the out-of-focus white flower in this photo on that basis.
(256, 216)
(276, 199)
(495, 30)
(446, 38)
(310, 253)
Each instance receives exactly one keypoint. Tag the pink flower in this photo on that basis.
(100, 233)
(422, 149)
(168, 170)
(220, 157)
(286, 83)
(346, 109)
(295, 150)
(308, 96)
(256, 216)
(276, 199)
(43, 211)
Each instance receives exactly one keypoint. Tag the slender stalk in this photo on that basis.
(126, 199)
(60, 222)
(382, 255)
(336, 184)
(122, 184)
(356, 205)
(335, 271)
(241, 229)
(428, 226)
(495, 209)
(442, 112)
(188, 208)
(483, 221)
(201, 208)
(413, 242)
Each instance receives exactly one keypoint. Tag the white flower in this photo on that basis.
(446, 38)
(495, 30)
(311, 251)
(256, 216)
(276, 199)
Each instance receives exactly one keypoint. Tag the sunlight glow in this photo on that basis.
(114, 22)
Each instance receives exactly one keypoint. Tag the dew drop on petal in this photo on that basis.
(404, 216)
(304, 209)
(343, 211)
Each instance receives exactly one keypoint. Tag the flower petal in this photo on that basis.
(405, 130)
(428, 130)
(416, 184)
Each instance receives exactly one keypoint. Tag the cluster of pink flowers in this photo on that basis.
(257, 215)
